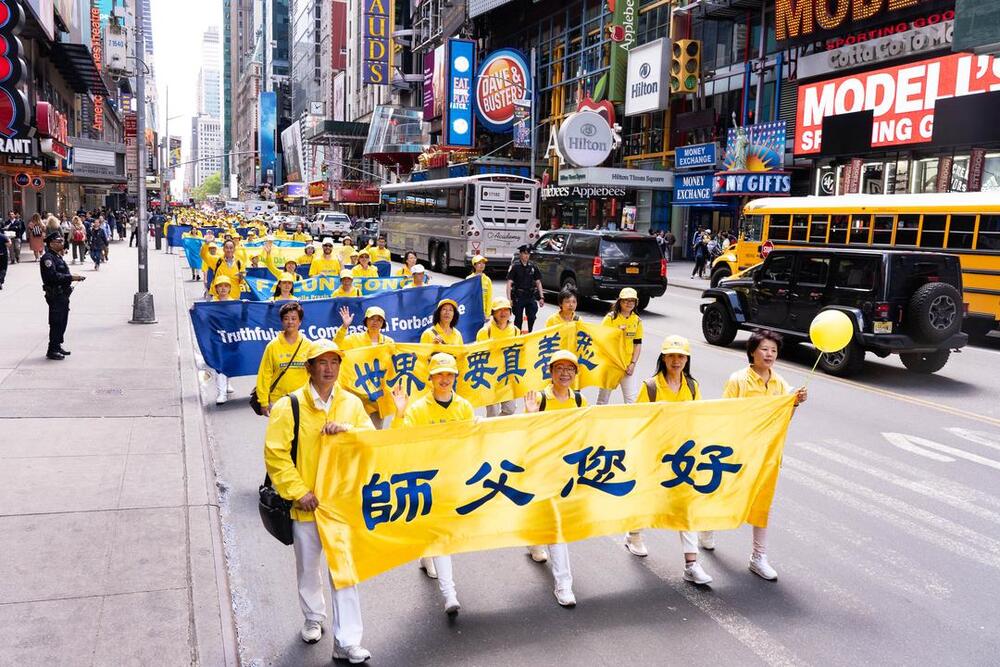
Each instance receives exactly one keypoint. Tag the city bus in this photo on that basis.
(965, 224)
(449, 221)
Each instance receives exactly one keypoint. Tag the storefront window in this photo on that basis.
(925, 175)
(906, 229)
(991, 172)
(960, 233)
(872, 178)
(932, 235)
(897, 177)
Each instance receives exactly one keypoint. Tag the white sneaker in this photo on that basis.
(427, 565)
(352, 654)
(696, 574)
(706, 540)
(538, 554)
(635, 544)
(763, 569)
(311, 631)
(565, 598)
(221, 398)
(451, 605)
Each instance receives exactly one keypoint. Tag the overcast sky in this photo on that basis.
(178, 27)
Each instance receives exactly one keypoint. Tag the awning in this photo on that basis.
(337, 133)
(76, 65)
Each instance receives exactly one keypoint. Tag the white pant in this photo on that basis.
(505, 408)
(689, 541)
(559, 558)
(446, 577)
(221, 383)
(759, 539)
(630, 391)
(310, 564)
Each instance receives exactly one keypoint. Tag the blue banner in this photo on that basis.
(322, 287)
(232, 335)
(175, 233)
(265, 273)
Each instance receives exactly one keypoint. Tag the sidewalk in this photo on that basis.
(679, 275)
(113, 550)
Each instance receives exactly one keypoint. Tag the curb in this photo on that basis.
(214, 626)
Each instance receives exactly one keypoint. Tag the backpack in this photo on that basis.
(239, 265)
(577, 396)
(78, 236)
(651, 387)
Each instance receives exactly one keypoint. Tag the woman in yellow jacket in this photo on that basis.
(441, 405)
(285, 289)
(231, 267)
(443, 329)
(623, 317)
(499, 327)
(364, 268)
(328, 262)
(347, 287)
(758, 379)
(479, 269)
(671, 384)
(283, 367)
(559, 395)
(371, 336)
(324, 410)
(567, 308)
(409, 261)
(222, 290)
(308, 255)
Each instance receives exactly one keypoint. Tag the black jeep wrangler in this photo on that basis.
(901, 302)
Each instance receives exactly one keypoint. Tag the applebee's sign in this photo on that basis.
(585, 139)
(504, 79)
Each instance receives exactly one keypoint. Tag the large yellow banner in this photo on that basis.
(561, 476)
(490, 371)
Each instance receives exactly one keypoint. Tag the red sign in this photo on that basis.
(902, 98)
(317, 189)
(765, 248)
(131, 125)
(13, 106)
(357, 195)
(503, 80)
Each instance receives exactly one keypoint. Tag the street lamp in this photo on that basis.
(143, 310)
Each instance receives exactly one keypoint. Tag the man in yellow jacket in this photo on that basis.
(328, 262)
(379, 252)
(439, 406)
(323, 410)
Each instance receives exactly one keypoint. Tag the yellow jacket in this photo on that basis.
(292, 481)
(302, 236)
(305, 259)
(746, 383)
(221, 268)
(324, 265)
(553, 403)
(425, 410)
(631, 325)
(491, 331)
(380, 254)
(555, 319)
(361, 272)
(340, 291)
(455, 338)
(664, 394)
(487, 292)
(278, 355)
(350, 341)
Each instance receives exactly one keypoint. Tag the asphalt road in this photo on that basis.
(885, 532)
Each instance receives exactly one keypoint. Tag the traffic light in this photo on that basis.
(685, 66)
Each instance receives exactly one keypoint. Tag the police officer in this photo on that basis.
(57, 282)
(524, 288)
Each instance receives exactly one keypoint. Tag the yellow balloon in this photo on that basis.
(831, 331)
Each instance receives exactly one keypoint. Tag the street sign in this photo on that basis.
(766, 248)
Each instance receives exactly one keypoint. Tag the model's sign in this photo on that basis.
(798, 21)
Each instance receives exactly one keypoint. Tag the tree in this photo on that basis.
(210, 187)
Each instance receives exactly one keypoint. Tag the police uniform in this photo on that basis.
(524, 292)
(57, 282)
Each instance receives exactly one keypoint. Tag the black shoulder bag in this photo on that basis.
(255, 400)
(275, 511)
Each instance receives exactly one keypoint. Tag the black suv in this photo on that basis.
(902, 302)
(599, 264)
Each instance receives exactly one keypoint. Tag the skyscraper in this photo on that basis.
(209, 94)
(206, 129)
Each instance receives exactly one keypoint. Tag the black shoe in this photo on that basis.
(55, 356)
(64, 352)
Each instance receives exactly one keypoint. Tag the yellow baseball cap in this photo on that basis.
(442, 362)
(321, 347)
(676, 345)
(363, 252)
(499, 304)
(223, 280)
(564, 355)
(287, 277)
(628, 293)
(478, 258)
(346, 273)
(442, 302)
(374, 311)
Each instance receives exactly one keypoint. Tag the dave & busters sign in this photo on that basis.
(504, 79)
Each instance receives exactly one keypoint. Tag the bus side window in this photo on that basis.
(883, 230)
(470, 199)
(817, 228)
(960, 233)
(989, 233)
(800, 228)
(777, 226)
(906, 229)
(860, 227)
(839, 227)
(932, 234)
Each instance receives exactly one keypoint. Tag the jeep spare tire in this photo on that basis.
(935, 312)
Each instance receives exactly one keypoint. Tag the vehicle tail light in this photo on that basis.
(882, 310)
(663, 268)
(598, 266)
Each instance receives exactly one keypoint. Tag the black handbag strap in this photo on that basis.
(285, 370)
(295, 434)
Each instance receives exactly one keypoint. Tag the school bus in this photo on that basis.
(964, 224)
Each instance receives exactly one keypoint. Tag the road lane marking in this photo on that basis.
(925, 489)
(897, 512)
(907, 446)
(913, 442)
(978, 437)
(748, 633)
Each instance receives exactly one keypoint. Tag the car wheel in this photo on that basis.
(925, 362)
(935, 312)
(717, 326)
(569, 283)
(718, 275)
(848, 361)
(643, 303)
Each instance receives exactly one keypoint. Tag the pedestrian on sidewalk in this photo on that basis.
(78, 239)
(758, 379)
(108, 235)
(57, 282)
(66, 227)
(36, 236)
(316, 409)
(98, 243)
(6, 248)
(133, 222)
(700, 254)
(671, 241)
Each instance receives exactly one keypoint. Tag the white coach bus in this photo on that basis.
(449, 221)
